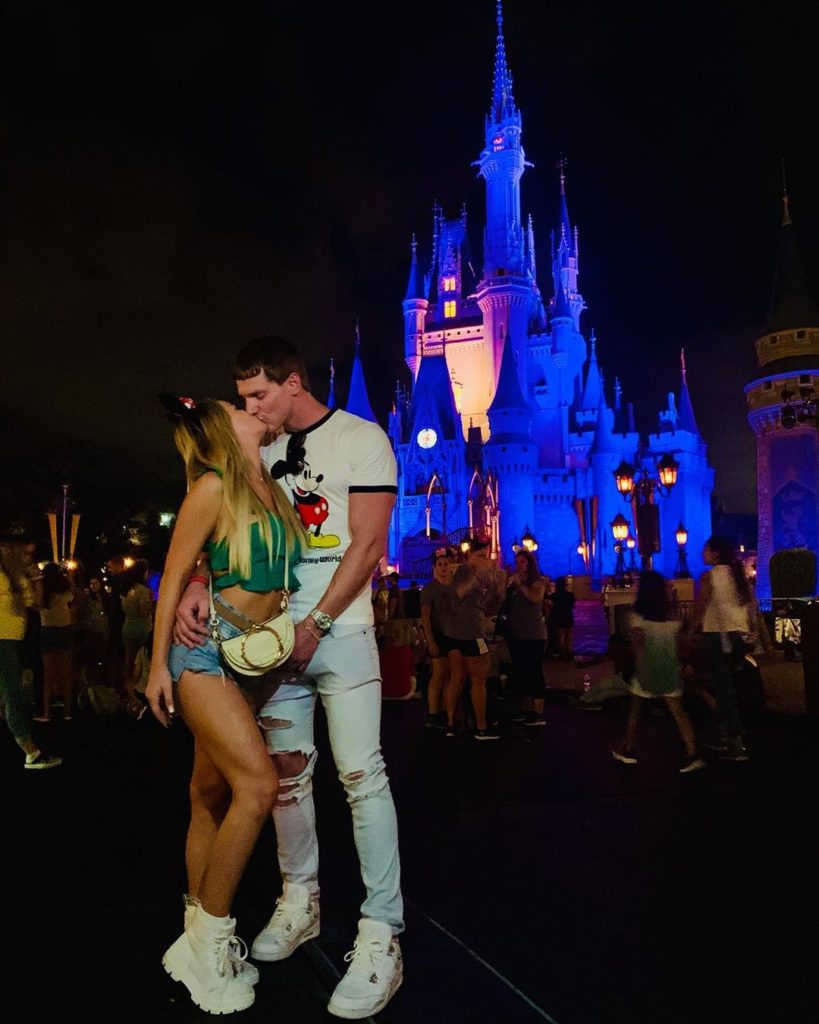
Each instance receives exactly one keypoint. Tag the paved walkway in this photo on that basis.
(544, 881)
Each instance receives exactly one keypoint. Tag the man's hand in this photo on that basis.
(304, 648)
(192, 616)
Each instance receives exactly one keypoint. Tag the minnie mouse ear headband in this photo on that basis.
(182, 410)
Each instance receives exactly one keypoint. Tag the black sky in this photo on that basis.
(178, 179)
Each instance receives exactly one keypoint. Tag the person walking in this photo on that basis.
(16, 596)
(342, 474)
(724, 610)
(56, 641)
(472, 594)
(433, 599)
(137, 607)
(526, 638)
(561, 618)
(655, 638)
(241, 517)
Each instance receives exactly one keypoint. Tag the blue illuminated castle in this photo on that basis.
(509, 428)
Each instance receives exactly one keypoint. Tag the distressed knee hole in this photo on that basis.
(275, 723)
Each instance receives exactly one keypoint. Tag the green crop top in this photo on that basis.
(263, 576)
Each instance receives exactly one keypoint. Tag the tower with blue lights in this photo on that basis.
(507, 428)
(787, 442)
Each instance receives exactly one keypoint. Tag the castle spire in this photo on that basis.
(331, 397)
(685, 412)
(508, 394)
(591, 393)
(358, 402)
(414, 284)
(503, 103)
(565, 238)
(791, 304)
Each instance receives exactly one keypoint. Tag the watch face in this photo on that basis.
(427, 438)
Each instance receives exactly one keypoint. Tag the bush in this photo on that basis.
(793, 573)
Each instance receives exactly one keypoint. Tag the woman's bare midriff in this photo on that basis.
(256, 606)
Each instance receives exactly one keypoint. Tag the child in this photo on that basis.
(654, 637)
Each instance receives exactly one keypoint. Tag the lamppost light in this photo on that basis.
(619, 527)
(681, 535)
(631, 543)
(528, 540)
(667, 470)
(624, 478)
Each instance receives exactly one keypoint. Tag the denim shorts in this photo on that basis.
(204, 657)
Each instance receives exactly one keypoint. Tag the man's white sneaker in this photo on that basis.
(207, 971)
(295, 920)
(375, 973)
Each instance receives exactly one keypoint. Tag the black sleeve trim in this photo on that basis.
(378, 489)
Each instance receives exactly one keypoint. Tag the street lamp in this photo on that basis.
(681, 572)
(642, 484)
(631, 544)
(799, 413)
(527, 541)
(619, 529)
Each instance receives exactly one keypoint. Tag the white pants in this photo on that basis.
(345, 673)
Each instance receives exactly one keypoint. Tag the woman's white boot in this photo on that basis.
(208, 972)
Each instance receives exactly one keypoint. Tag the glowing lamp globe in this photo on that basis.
(619, 527)
(681, 535)
(528, 541)
(667, 469)
(624, 478)
(630, 542)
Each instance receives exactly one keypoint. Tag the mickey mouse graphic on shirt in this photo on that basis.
(312, 507)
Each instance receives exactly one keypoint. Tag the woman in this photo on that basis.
(724, 610)
(96, 636)
(16, 596)
(526, 637)
(433, 600)
(655, 635)
(56, 641)
(473, 591)
(137, 607)
(236, 512)
(561, 618)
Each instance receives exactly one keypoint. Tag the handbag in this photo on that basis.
(264, 645)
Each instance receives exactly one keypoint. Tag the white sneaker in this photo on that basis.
(237, 950)
(375, 973)
(295, 920)
(207, 972)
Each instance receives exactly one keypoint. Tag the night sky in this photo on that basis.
(176, 180)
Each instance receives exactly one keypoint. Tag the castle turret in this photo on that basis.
(415, 306)
(787, 450)
(358, 401)
(511, 452)
(505, 294)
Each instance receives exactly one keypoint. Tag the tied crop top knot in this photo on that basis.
(264, 575)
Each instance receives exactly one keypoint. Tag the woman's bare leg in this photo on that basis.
(454, 685)
(478, 669)
(226, 732)
(633, 721)
(440, 674)
(680, 715)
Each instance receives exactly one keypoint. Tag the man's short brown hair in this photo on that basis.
(274, 356)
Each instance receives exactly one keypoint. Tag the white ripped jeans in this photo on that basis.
(345, 673)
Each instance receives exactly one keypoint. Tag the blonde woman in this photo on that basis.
(239, 515)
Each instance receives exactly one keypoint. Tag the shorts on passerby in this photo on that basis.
(468, 648)
(441, 642)
(56, 638)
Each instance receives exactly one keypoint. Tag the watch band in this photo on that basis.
(322, 620)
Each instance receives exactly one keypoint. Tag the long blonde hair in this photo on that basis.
(13, 566)
(206, 441)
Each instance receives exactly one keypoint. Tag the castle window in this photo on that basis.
(450, 308)
(500, 329)
(768, 385)
(497, 143)
(450, 284)
(800, 334)
(774, 339)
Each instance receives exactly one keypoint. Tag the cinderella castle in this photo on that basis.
(509, 430)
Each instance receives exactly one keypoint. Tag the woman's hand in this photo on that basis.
(159, 694)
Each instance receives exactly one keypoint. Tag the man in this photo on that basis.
(344, 466)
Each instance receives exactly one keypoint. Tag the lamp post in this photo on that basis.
(528, 541)
(619, 529)
(682, 571)
(805, 411)
(640, 485)
(631, 544)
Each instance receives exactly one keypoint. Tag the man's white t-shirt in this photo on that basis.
(343, 455)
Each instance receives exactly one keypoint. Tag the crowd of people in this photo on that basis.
(245, 561)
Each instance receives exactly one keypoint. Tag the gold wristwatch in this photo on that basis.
(322, 620)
